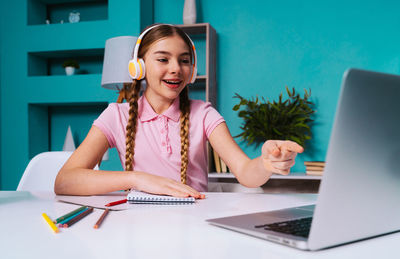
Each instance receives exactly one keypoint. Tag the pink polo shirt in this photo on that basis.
(158, 141)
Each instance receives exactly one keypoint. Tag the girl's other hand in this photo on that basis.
(163, 186)
(279, 156)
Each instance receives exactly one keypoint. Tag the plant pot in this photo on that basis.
(69, 71)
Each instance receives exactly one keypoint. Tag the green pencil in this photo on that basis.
(77, 218)
(58, 220)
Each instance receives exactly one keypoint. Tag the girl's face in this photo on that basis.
(168, 68)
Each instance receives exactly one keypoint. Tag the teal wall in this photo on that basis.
(36, 108)
(262, 47)
(265, 45)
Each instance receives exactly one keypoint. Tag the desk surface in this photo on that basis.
(159, 231)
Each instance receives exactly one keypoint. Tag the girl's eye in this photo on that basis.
(185, 61)
(162, 60)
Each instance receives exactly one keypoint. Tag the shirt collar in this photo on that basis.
(146, 112)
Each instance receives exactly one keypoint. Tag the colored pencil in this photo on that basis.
(98, 223)
(116, 202)
(51, 223)
(61, 223)
(77, 218)
(63, 217)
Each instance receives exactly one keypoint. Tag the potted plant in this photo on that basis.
(283, 120)
(70, 65)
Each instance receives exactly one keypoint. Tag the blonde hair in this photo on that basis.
(132, 96)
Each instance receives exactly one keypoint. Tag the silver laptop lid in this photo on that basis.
(359, 195)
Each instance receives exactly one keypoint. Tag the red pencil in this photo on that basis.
(116, 202)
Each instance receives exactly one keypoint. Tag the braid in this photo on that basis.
(185, 112)
(132, 97)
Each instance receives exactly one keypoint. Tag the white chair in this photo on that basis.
(42, 170)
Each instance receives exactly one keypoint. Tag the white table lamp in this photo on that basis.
(118, 51)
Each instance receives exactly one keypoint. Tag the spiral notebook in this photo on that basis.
(138, 197)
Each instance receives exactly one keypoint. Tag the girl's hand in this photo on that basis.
(278, 156)
(163, 186)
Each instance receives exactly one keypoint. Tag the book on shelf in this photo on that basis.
(217, 162)
(314, 163)
(224, 168)
(308, 172)
(314, 167)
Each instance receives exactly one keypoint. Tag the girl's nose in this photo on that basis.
(174, 66)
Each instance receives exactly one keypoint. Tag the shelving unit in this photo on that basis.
(205, 82)
(54, 39)
(210, 76)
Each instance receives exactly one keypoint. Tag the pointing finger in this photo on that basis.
(292, 146)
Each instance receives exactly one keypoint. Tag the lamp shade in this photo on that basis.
(118, 51)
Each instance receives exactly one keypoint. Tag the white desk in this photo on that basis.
(159, 231)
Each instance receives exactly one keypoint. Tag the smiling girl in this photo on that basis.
(161, 136)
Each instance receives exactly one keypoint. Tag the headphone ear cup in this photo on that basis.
(194, 73)
(142, 69)
(133, 68)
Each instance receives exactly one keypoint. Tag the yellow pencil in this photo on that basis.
(51, 224)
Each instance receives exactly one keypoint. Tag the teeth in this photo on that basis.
(172, 82)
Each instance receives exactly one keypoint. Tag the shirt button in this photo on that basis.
(163, 144)
(162, 131)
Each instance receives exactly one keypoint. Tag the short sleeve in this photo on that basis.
(211, 117)
(109, 122)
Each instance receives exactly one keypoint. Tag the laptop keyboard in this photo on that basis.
(299, 227)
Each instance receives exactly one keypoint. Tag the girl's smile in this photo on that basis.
(168, 70)
(172, 83)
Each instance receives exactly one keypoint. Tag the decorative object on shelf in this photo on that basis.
(189, 12)
(314, 167)
(106, 156)
(283, 120)
(74, 17)
(118, 51)
(69, 144)
(47, 21)
(70, 65)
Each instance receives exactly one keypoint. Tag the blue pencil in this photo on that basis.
(61, 223)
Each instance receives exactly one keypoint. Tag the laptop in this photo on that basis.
(359, 195)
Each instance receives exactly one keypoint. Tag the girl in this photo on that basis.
(161, 136)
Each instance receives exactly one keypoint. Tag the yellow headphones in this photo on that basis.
(136, 66)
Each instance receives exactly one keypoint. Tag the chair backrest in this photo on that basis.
(42, 170)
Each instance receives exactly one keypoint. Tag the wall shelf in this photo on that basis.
(291, 176)
(49, 63)
(55, 11)
(296, 182)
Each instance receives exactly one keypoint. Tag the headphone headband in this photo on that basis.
(136, 64)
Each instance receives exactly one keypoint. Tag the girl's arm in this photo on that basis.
(77, 177)
(277, 157)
